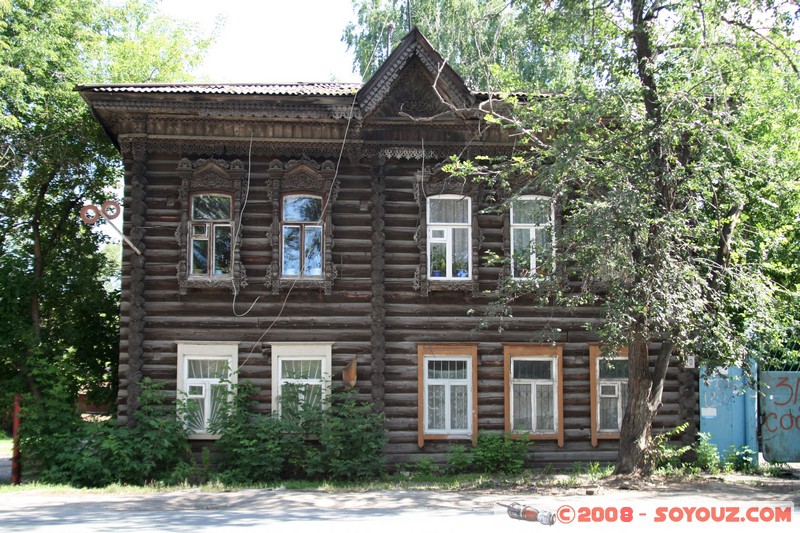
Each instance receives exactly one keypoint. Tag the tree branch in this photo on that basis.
(764, 38)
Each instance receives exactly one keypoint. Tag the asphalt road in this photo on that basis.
(707, 508)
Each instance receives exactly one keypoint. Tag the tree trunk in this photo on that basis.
(645, 388)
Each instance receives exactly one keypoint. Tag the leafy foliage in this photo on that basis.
(56, 316)
(342, 439)
(500, 454)
(66, 449)
(670, 146)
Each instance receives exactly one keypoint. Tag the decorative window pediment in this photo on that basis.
(210, 196)
(448, 236)
(302, 193)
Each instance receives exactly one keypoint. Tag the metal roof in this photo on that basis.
(289, 89)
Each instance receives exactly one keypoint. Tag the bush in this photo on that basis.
(351, 438)
(662, 453)
(458, 459)
(69, 450)
(707, 458)
(500, 454)
(342, 441)
(739, 459)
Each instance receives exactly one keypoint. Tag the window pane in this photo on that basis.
(608, 413)
(544, 407)
(291, 251)
(195, 390)
(459, 407)
(531, 211)
(444, 369)
(533, 370)
(438, 261)
(522, 407)
(436, 407)
(301, 369)
(613, 368)
(448, 210)
(544, 244)
(195, 415)
(302, 208)
(211, 207)
(219, 398)
(222, 250)
(522, 252)
(313, 251)
(461, 247)
(199, 256)
(207, 369)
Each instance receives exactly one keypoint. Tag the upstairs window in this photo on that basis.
(302, 236)
(449, 237)
(531, 236)
(211, 232)
(210, 197)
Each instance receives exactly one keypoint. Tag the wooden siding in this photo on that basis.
(373, 314)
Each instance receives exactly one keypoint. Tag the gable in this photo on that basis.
(404, 84)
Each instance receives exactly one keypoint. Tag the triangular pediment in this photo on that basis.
(404, 84)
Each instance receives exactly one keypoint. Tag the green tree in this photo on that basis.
(671, 147)
(58, 322)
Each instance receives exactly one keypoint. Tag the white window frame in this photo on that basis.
(446, 238)
(552, 382)
(617, 383)
(448, 384)
(317, 351)
(534, 262)
(208, 236)
(226, 351)
(301, 226)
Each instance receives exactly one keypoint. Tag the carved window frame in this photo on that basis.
(303, 176)
(217, 176)
(439, 184)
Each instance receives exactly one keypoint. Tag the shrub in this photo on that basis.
(351, 438)
(500, 454)
(341, 441)
(707, 458)
(458, 459)
(739, 459)
(69, 450)
(662, 453)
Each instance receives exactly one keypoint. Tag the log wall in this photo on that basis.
(374, 313)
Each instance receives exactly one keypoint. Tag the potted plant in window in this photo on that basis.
(438, 265)
(461, 266)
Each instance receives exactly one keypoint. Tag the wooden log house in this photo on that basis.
(288, 230)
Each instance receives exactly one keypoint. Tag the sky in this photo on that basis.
(268, 41)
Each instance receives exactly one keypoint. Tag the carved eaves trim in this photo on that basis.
(414, 45)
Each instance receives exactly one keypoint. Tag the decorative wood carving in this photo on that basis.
(431, 184)
(301, 175)
(210, 175)
(378, 312)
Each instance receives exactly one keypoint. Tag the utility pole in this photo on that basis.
(408, 11)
